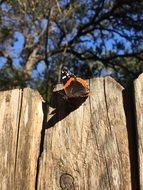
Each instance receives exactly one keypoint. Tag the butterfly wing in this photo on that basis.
(74, 86)
(76, 89)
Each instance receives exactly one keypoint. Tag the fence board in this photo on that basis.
(87, 148)
(9, 117)
(20, 129)
(138, 90)
(28, 140)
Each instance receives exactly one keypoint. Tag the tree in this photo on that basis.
(93, 38)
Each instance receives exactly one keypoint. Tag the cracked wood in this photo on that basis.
(20, 134)
(83, 143)
(89, 143)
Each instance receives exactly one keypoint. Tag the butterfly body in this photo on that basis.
(74, 87)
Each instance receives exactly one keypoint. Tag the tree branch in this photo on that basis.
(32, 59)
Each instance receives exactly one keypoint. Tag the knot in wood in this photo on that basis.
(67, 182)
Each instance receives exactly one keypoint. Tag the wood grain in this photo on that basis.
(20, 135)
(72, 144)
(86, 142)
(9, 120)
(138, 90)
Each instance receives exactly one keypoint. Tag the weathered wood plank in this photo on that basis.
(10, 102)
(86, 146)
(120, 167)
(29, 138)
(138, 90)
(20, 134)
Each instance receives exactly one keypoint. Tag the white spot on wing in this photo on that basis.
(64, 77)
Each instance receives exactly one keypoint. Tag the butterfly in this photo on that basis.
(74, 87)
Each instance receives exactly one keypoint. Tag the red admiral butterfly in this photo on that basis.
(74, 87)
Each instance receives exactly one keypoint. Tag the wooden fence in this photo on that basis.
(93, 143)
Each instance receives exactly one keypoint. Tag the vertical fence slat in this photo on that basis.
(29, 137)
(138, 91)
(9, 116)
(120, 167)
(21, 118)
(87, 148)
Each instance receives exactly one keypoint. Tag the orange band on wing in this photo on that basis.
(81, 81)
(68, 82)
(84, 84)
